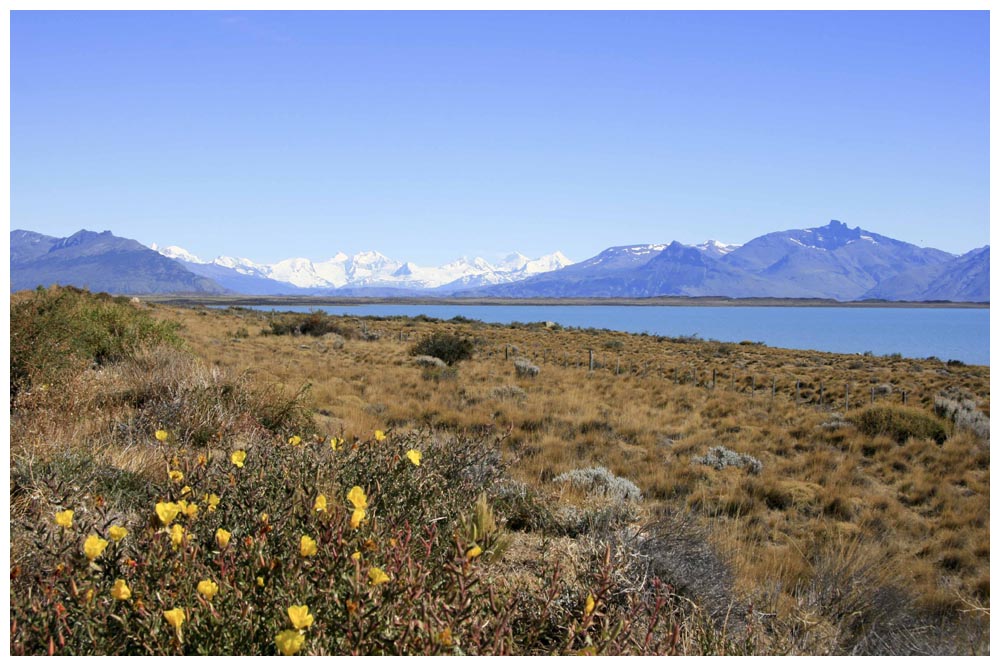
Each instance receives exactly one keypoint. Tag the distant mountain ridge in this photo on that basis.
(99, 262)
(829, 262)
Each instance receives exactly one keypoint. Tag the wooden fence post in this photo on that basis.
(591, 359)
(847, 397)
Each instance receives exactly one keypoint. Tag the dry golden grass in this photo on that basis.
(648, 409)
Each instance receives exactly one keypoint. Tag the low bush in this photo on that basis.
(448, 347)
(720, 457)
(429, 361)
(307, 545)
(315, 324)
(899, 423)
(525, 368)
(964, 413)
(61, 330)
(601, 481)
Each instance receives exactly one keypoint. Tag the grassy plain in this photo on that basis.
(815, 531)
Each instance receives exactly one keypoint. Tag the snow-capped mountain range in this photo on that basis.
(828, 262)
(368, 270)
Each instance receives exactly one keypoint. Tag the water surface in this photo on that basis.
(947, 333)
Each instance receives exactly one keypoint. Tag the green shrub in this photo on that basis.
(64, 329)
(899, 423)
(315, 324)
(448, 347)
(400, 579)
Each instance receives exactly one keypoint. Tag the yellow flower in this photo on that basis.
(64, 518)
(162, 435)
(167, 511)
(379, 436)
(320, 504)
(356, 556)
(357, 517)
(588, 607)
(222, 537)
(202, 460)
(185, 490)
(376, 576)
(177, 536)
(300, 617)
(264, 518)
(207, 589)
(117, 533)
(94, 546)
(307, 546)
(289, 641)
(176, 475)
(474, 552)
(212, 501)
(414, 456)
(357, 498)
(238, 457)
(191, 510)
(175, 617)
(120, 591)
(294, 440)
(444, 637)
(260, 581)
(88, 596)
(335, 442)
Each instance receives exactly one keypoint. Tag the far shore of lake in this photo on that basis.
(685, 301)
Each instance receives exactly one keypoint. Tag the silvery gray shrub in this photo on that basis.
(720, 457)
(600, 480)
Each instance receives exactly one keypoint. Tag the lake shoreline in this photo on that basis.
(661, 301)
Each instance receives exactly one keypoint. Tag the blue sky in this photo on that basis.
(428, 136)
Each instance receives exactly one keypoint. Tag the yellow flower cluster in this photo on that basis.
(94, 546)
(65, 518)
(167, 512)
(120, 591)
(291, 641)
(376, 576)
(208, 589)
(358, 498)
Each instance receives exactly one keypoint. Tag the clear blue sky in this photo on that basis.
(432, 135)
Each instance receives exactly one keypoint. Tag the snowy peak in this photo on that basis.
(175, 252)
(714, 248)
(546, 263)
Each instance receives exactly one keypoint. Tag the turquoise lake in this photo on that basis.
(962, 334)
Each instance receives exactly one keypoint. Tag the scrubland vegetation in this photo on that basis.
(244, 482)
